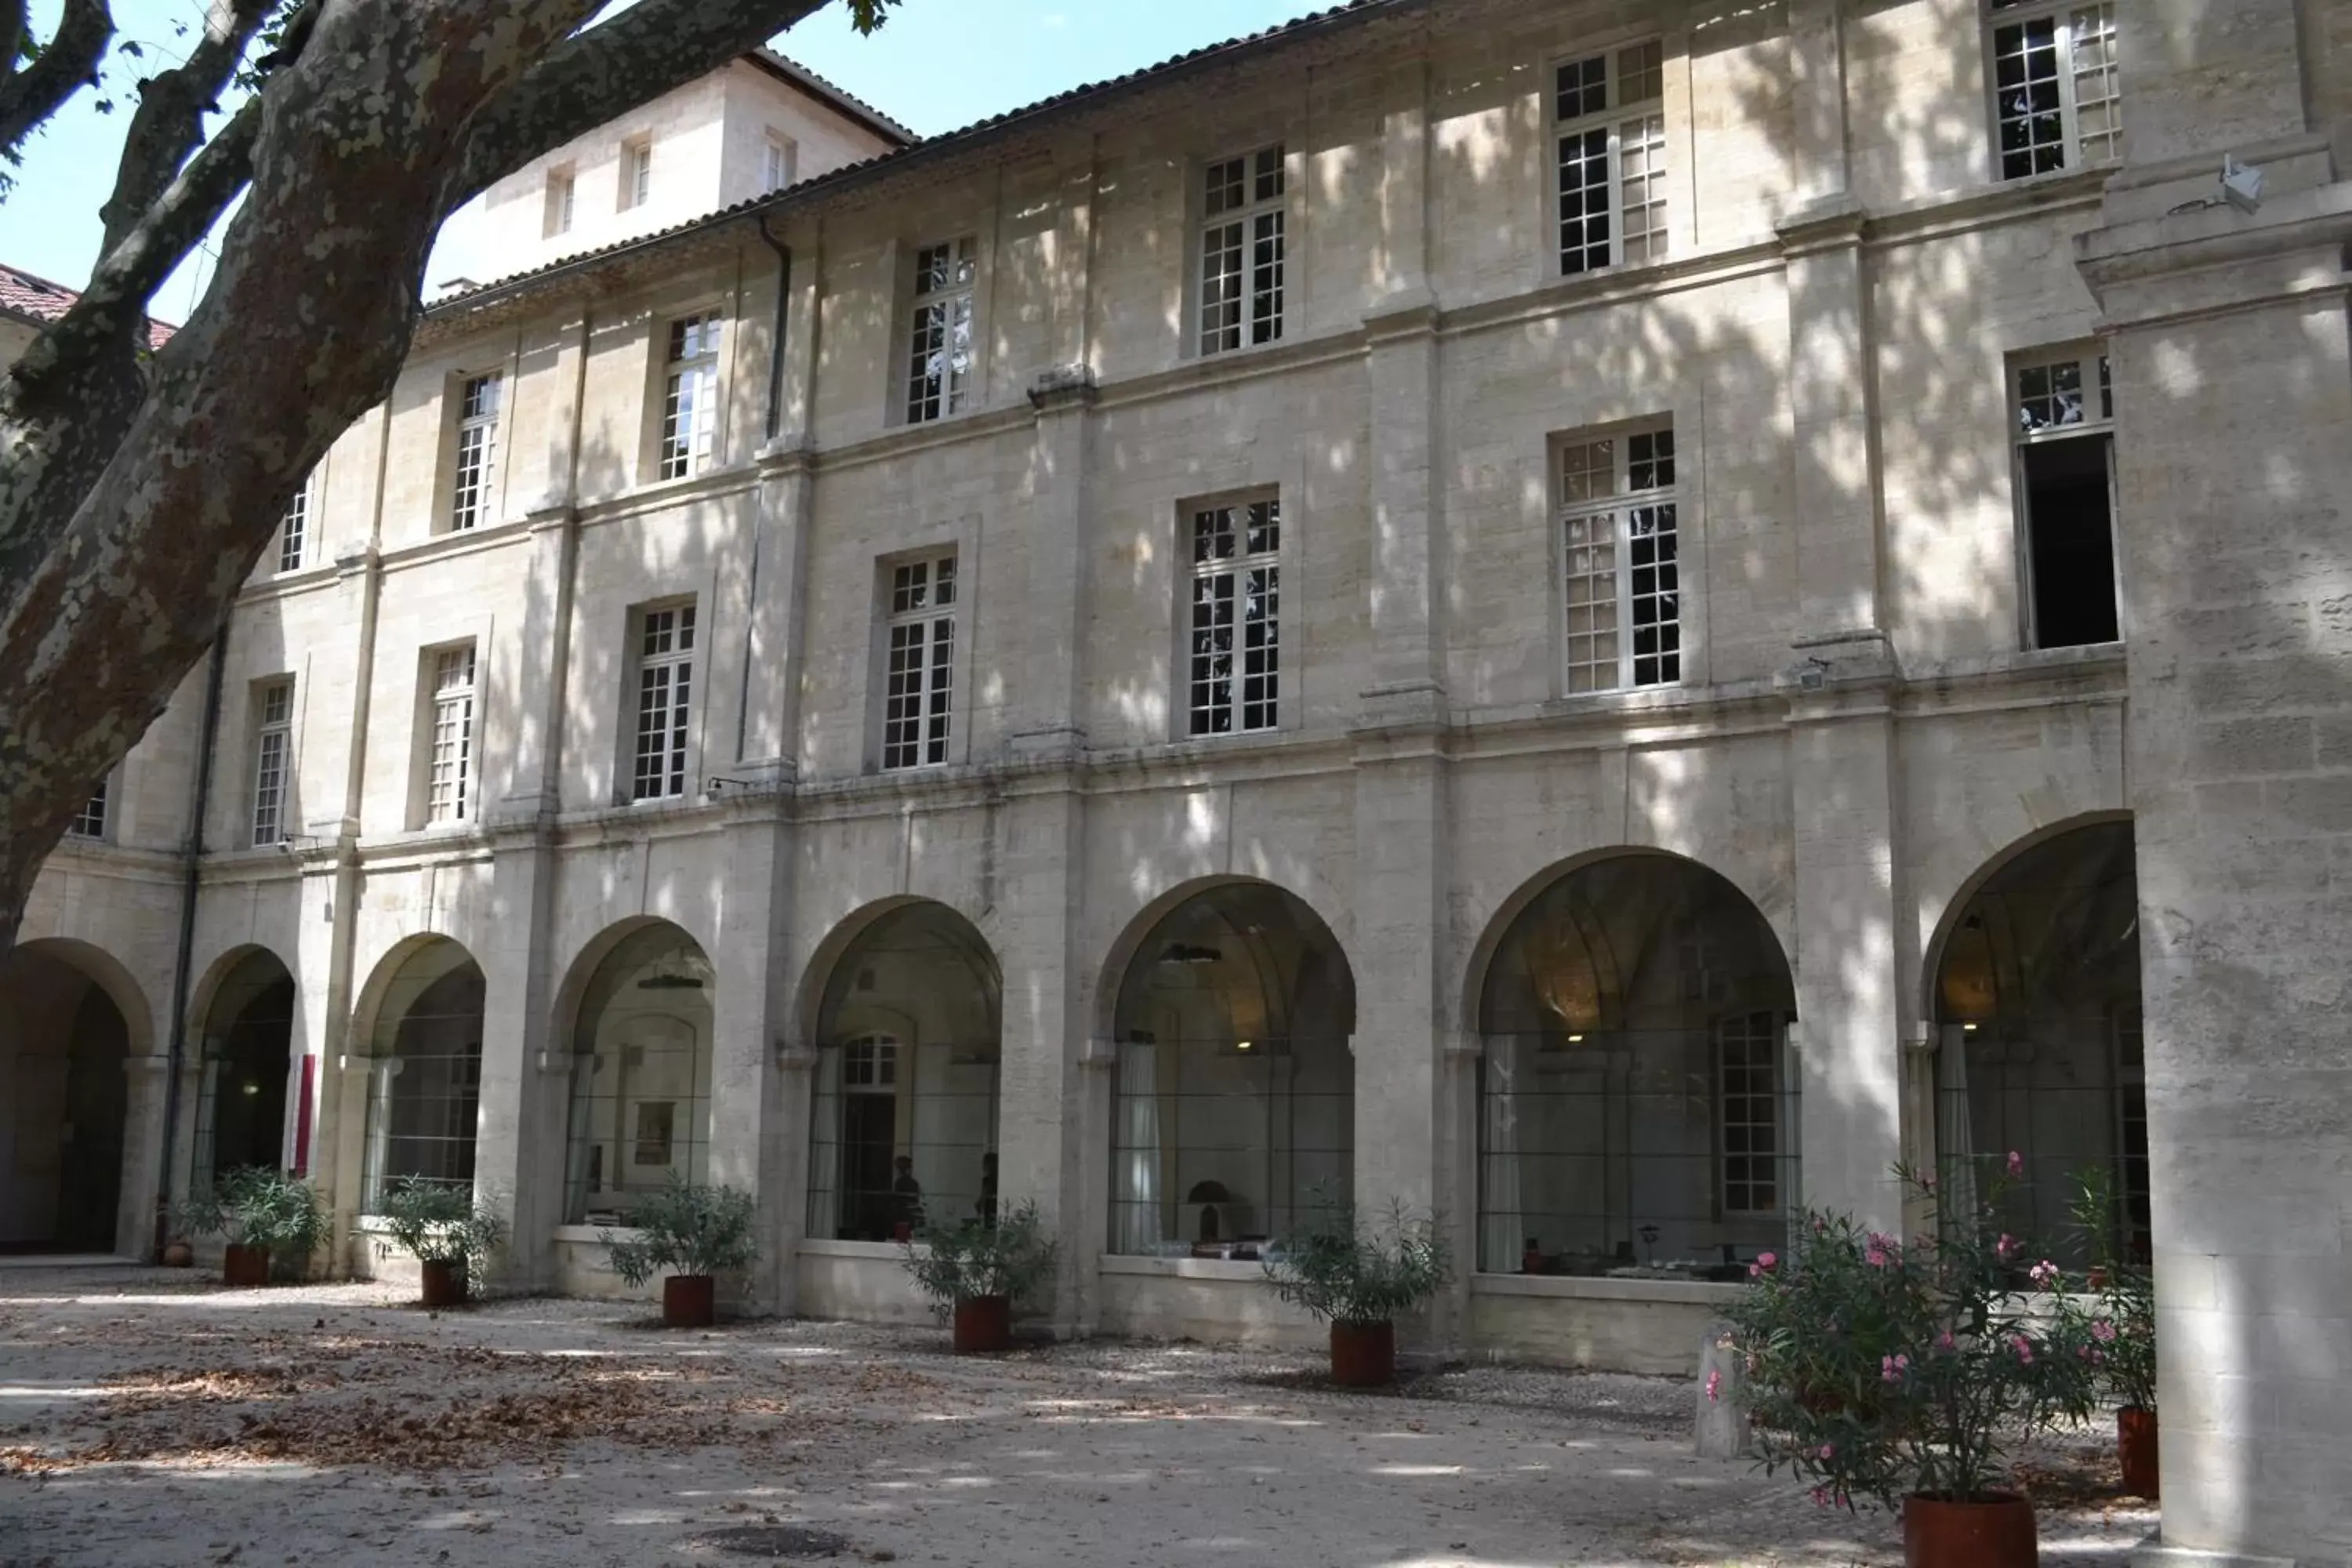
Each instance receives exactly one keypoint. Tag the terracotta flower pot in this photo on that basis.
(178, 1255)
(1363, 1355)
(1990, 1529)
(689, 1301)
(244, 1267)
(983, 1324)
(2136, 1446)
(443, 1281)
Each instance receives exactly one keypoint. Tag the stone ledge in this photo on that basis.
(1588, 1288)
(2154, 1555)
(1220, 1268)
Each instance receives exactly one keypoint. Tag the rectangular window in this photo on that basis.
(2065, 427)
(1609, 116)
(450, 761)
(938, 339)
(272, 759)
(560, 185)
(1620, 611)
(636, 173)
(89, 822)
(293, 526)
(2057, 97)
(918, 679)
(1748, 1111)
(691, 402)
(665, 702)
(1237, 611)
(778, 163)
(478, 446)
(1242, 217)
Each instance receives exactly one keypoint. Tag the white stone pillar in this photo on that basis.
(753, 1146)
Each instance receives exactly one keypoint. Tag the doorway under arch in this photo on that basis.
(641, 1075)
(1636, 1113)
(908, 1079)
(2037, 1002)
(425, 1076)
(247, 1037)
(1234, 1094)
(65, 1047)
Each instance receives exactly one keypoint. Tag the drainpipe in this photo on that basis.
(188, 937)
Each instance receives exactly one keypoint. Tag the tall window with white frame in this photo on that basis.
(1748, 1112)
(2065, 429)
(478, 446)
(293, 527)
(89, 822)
(1242, 250)
(1235, 654)
(273, 754)
(779, 161)
(665, 701)
(636, 173)
(919, 677)
(2057, 93)
(449, 760)
(563, 186)
(938, 338)
(1621, 612)
(1610, 116)
(690, 400)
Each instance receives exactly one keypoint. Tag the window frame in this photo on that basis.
(636, 173)
(559, 207)
(1774, 1094)
(2063, 14)
(294, 529)
(94, 822)
(435, 697)
(2097, 421)
(683, 654)
(1659, 240)
(940, 683)
(1623, 499)
(270, 725)
(1184, 711)
(778, 149)
(468, 509)
(1255, 205)
(953, 396)
(705, 329)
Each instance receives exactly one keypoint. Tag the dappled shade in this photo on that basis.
(640, 1076)
(424, 1076)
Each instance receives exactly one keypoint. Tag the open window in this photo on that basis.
(2063, 428)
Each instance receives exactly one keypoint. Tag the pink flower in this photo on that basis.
(1766, 1259)
(1891, 1368)
(1714, 1386)
(2006, 1247)
(1875, 1257)
(1821, 1497)
(2023, 1347)
(2102, 1330)
(2016, 1164)
(2044, 1274)
(1828, 1451)
(1943, 1341)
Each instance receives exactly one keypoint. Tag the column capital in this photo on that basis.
(1063, 386)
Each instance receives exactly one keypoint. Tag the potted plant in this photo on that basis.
(1894, 1370)
(1360, 1280)
(2109, 1327)
(449, 1233)
(977, 1271)
(692, 1233)
(262, 1212)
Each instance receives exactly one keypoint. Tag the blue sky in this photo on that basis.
(938, 65)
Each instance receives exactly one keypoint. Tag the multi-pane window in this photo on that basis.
(1610, 120)
(448, 785)
(293, 527)
(1621, 585)
(918, 675)
(2057, 99)
(938, 339)
(478, 446)
(779, 161)
(665, 702)
(690, 400)
(273, 751)
(870, 1062)
(89, 822)
(561, 187)
(636, 173)
(2064, 420)
(1748, 1111)
(1236, 629)
(1242, 217)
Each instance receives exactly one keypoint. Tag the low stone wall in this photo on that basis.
(1199, 1298)
(861, 1281)
(1606, 1325)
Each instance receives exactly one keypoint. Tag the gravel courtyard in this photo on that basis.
(150, 1417)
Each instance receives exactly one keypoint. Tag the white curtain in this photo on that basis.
(1136, 1171)
(1502, 1233)
(1955, 1146)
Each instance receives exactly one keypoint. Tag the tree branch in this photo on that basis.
(169, 122)
(647, 50)
(67, 61)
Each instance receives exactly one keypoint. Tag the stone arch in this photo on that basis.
(635, 1014)
(73, 1022)
(242, 1023)
(418, 1025)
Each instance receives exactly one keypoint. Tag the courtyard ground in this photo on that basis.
(150, 1417)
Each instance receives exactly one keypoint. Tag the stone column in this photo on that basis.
(1403, 1099)
(2233, 462)
(1834, 466)
(525, 1072)
(779, 594)
(753, 1146)
(1847, 1065)
(1046, 722)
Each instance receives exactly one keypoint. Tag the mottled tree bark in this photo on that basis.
(134, 501)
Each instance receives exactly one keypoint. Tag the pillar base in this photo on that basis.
(2153, 1553)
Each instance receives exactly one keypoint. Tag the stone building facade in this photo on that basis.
(1604, 618)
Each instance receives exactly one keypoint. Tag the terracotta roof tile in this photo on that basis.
(37, 300)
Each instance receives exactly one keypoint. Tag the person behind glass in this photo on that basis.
(986, 1207)
(906, 1199)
